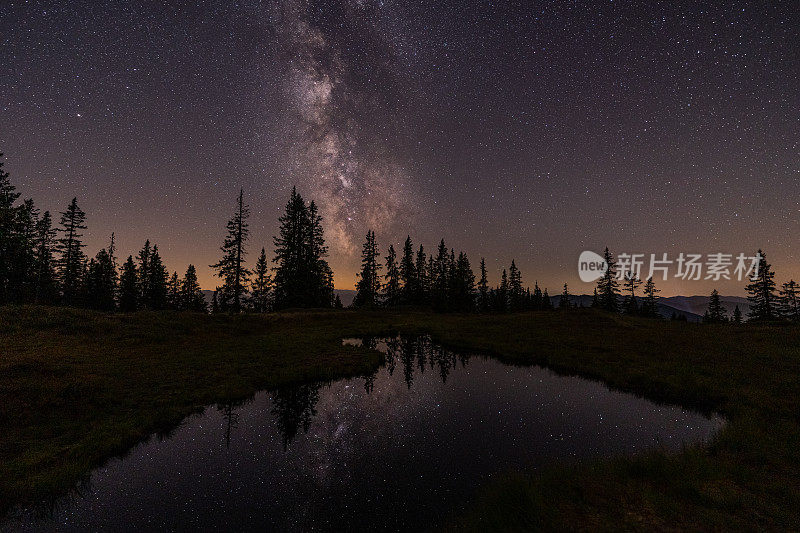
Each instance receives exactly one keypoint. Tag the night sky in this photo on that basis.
(524, 130)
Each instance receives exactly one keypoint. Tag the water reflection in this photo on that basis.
(398, 449)
(293, 408)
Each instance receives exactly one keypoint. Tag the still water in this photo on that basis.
(399, 450)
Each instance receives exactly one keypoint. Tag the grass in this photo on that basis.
(78, 387)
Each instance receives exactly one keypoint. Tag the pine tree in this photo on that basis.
(715, 314)
(595, 299)
(408, 273)
(192, 298)
(391, 288)
(101, 283)
(174, 293)
(763, 302)
(650, 302)
(303, 277)
(368, 285)
(563, 301)
(537, 300)
(260, 293)
(790, 300)
(319, 276)
(608, 286)
(547, 304)
(71, 264)
(463, 297)
(483, 289)
(129, 287)
(22, 273)
(112, 250)
(421, 271)
(440, 282)
(515, 292)
(45, 286)
(143, 273)
(737, 315)
(502, 293)
(215, 302)
(337, 303)
(632, 282)
(8, 244)
(156, 297)
(231, 267)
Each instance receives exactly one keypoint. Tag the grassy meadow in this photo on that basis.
(78, 387)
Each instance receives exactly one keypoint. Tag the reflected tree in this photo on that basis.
(369, 382)
(408, 353)
(231, 419)
(293, 408)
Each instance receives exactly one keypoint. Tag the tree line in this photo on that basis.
(442, 280)
(46, 263)
(766, 301)
(43, 263)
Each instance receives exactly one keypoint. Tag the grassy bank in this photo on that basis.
(77, 387)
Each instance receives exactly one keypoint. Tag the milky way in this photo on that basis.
(342, 149)
(529, 131)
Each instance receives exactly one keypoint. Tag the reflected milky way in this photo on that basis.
(398, 450)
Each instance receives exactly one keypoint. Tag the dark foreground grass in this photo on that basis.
(78, 387)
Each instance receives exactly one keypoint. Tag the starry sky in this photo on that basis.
(526, 130)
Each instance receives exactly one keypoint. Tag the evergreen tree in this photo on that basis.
(563, 301)
(421, 271)
(143, 273)
(156, 297)
(483, 289)
(440, 282)
(608, 285)
(303, 277)
(22, 274)
(650, 303)
(595, 299)
(715, 314)
(737, 315)
(408, 273)
(8, 244)
(174, 300)
(515, 292)
(319, 276)
(463, 296)
(45, 286)
(215, 302)
(632, 282)
(537, 300)
(790, 300)
(502, 293)
(547, 304)
(71, 264)
(368, 285)
(337, 303)
(101, 283)
(191, 295)
(391, 288)
(763, 302)
(231, 267)
(260, 293)
(129, 287)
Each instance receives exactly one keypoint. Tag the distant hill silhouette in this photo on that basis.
(665, 309)
(699, 304)
(692, 307)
